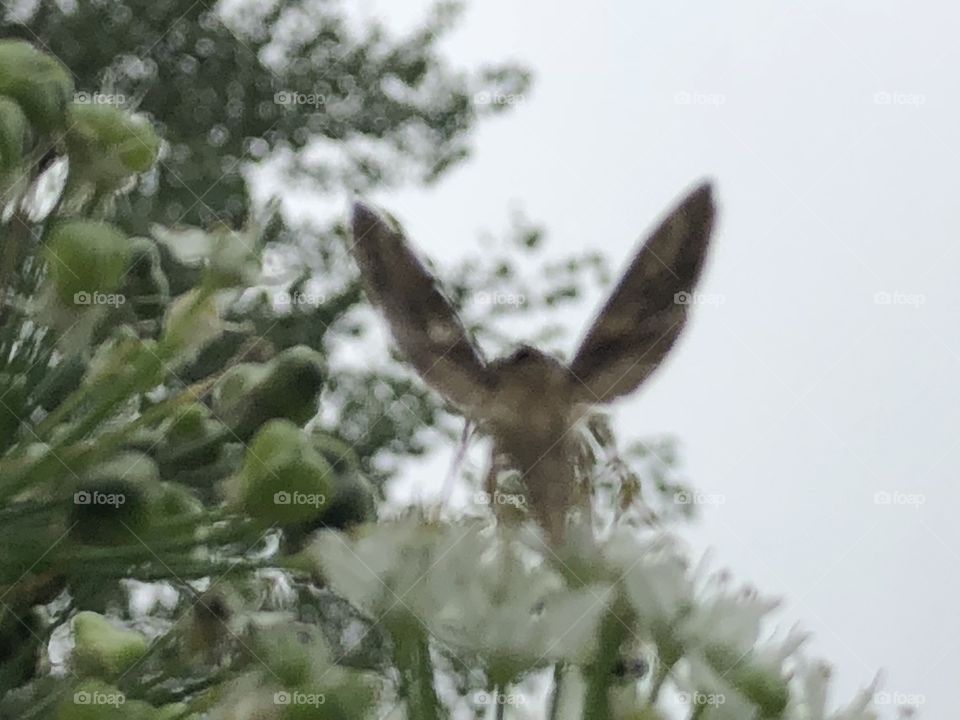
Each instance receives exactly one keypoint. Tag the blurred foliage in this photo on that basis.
(224, 88)
(169, 347)
(219, 87)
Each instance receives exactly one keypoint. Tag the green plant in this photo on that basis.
(159, 414)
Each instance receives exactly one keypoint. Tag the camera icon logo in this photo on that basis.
(281, 498)
(82, 497)
(282, 698)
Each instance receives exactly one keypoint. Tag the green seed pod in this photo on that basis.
(145, 285)
(175, 501)
(188, 422)
(13, 133)
(289, 389)
(107, 144)
(291, 651)
(354, 502)
(185, 452)
(84, 258)
(234, 386)
(102, 649)
(283, 479)
(40, 83)
(192, 440)
(114, 502)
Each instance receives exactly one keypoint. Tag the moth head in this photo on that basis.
(527, 358)
(529, 381)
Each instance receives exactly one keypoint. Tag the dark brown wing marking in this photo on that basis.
(424, 324)
(645, 313)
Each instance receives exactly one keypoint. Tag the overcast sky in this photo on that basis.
(826, 372)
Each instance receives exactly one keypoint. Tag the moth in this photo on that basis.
(529, 401)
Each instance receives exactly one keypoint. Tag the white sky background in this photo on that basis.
(799, 397)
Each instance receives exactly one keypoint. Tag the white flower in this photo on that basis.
(655, 574)
(385, 568)
(474, 590)
(809, 700)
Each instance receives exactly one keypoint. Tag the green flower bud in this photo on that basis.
(145, 284)
(13, 133)
(107, 144)
(188, 422)
(234, 386)
(102, 649)
(289, 389)
(40, 83)
(113, 503)
(354, 502)
(290, 652)
(193, 439)
(86, 257)
(283, 479)
(174, 501)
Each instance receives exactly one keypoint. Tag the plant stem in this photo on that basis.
(501, 706)
(600, 675)
(412, 658)
(554, 711)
